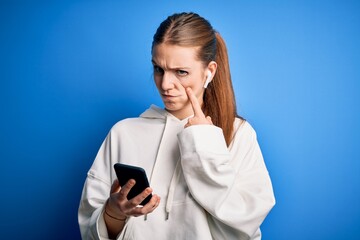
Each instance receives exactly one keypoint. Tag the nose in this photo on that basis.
(167, 82)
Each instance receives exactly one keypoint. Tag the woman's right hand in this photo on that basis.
(120, 207)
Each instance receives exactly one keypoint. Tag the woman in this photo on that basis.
(203, 161)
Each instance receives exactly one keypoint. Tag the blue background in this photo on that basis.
(69, 70)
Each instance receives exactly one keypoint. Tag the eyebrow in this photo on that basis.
(172, 68)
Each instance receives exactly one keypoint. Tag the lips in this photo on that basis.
(168, 96)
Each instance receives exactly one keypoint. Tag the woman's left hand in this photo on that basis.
(199, 116)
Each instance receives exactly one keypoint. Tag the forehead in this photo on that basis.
(174, 55)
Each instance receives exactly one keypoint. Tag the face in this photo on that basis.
(175, 69)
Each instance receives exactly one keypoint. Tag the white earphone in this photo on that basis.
(208, 78)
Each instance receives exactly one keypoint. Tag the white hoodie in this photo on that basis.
(207, 190)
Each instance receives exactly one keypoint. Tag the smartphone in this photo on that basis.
(126, 172)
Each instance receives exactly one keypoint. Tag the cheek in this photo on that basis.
(195, 84)
(192, 81)
(198, 88)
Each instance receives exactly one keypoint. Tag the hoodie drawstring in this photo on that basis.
(167, 154)
(174, 181)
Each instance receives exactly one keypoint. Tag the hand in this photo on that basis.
(120, 207)
(199, 116)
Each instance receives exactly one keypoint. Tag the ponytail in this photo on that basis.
(219, 98)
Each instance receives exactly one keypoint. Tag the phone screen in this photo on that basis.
(126, 172)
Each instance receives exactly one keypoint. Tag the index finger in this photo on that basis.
(126, 189)
(115, 187)
(194, 102)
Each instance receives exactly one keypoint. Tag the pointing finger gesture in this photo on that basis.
(199, 116)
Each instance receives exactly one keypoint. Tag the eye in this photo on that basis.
(158, 70)
(182, 73)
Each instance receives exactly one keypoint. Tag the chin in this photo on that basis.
(172, 106)
(179, 110)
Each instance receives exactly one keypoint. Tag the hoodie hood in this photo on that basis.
(155, 112)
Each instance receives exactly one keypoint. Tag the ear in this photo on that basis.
(210, 72)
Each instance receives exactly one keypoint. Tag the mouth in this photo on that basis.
(168, 96)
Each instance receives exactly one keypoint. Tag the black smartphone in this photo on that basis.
(126, 172)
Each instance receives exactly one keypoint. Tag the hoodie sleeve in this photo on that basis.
(231, 184)
(96, 190)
